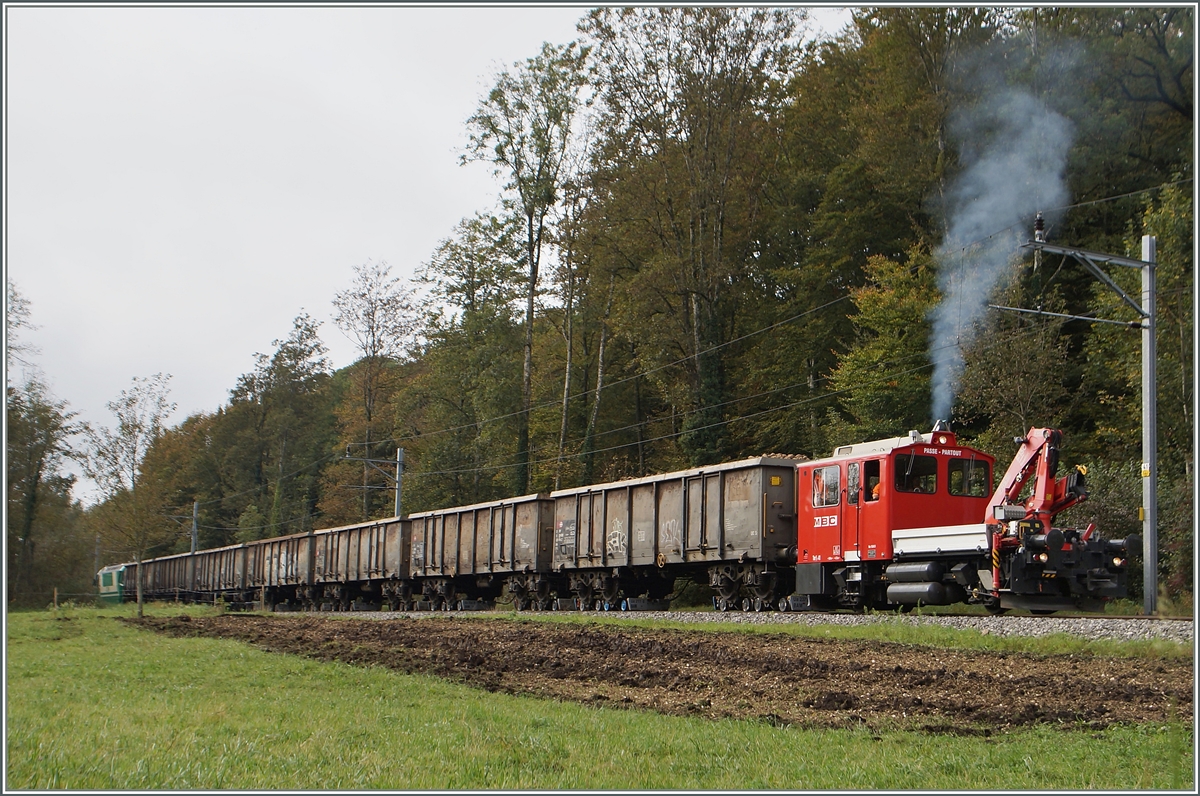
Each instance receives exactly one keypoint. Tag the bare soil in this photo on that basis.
(777, 678)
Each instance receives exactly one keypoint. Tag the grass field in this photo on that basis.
(94, 704)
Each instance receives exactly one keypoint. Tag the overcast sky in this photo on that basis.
(182, 182)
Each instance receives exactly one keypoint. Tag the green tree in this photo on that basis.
(1124, 78)
(523, 126)
(283, 408)
(1113, 353)
(41, 515)
(456, 406)
(1015, 371)
(686, 96)
(1112, 383)
(883, 379)
(252, 525)
(39, 431)
(570, 278)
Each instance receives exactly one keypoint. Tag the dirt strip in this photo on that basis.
(777, 678)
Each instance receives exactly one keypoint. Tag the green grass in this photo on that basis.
(94, 704)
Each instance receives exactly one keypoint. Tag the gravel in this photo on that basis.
(1179, 630)
(1087, 627)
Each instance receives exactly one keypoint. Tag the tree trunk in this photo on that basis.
(276, 499)
(527, 372)
(368, 413)
(589, 438)
(138, 578)
(569, 333)
(24, 571)
(640, 420)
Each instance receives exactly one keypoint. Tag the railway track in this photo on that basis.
(1091, 626)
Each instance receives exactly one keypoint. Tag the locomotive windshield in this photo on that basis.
(970, 478)
(916, 474)
(827, 487)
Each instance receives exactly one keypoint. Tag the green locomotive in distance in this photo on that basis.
(111, 581)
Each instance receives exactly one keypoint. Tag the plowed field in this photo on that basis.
(778, 678)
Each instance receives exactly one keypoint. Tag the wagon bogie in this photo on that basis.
(531, 590)
(397, 594)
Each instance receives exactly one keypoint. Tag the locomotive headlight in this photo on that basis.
(1118, 561)
(1043, 557)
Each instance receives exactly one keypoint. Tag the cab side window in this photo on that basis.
(970, 477)
(916, 474)
(872, 480)
(827, 487)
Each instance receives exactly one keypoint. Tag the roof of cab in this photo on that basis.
(882, 445)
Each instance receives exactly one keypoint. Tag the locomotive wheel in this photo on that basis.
(785, 604)
(745, 603)
(995, 609)
(758, 605)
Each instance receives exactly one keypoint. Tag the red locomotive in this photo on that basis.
(914, 520)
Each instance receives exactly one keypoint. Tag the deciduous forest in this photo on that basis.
(717, 240)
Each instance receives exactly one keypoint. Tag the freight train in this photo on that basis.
(889, 524)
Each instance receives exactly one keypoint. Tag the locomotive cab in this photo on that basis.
(872, 505)
(110, 582)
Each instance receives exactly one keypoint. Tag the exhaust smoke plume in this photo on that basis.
(1014, 152)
